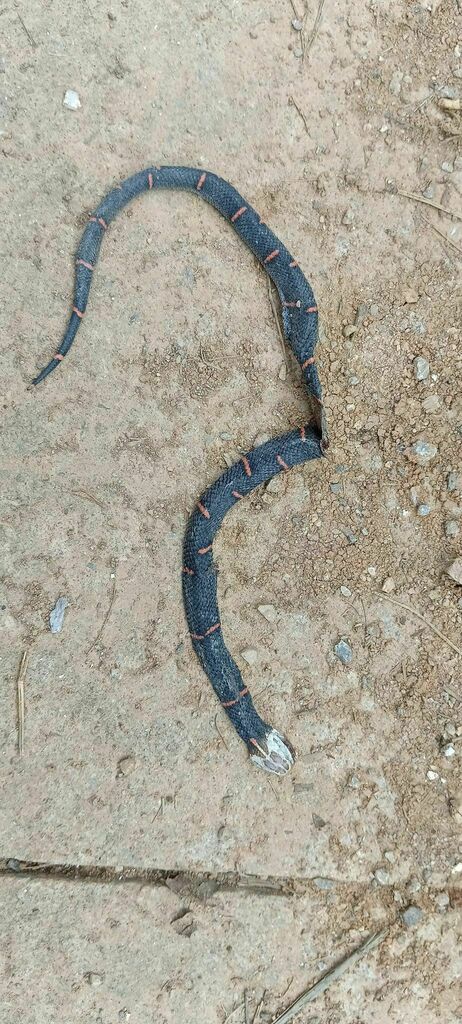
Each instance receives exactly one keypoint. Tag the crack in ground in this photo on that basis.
(201, 884)
(205, 882)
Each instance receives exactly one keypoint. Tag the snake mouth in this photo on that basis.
(272, 752)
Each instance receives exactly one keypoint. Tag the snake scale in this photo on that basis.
(267, 748)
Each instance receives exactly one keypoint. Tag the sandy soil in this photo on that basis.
(176, 371)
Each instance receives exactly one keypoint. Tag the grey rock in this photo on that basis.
(422, 452)
(421, 368)
(94, 979)
(423, 510)
(268, 611)
(323, 883)
(382, 876)
(318, 822)
(71, 99)
(442, 901)
(57, 614)
(335, 488)
(431, 403)
(411, 916)
(451, 528)
(454, 481)
(395, 83)
(348, 217)
(250, 656)
(297, 24)
(350, 536)
(447, 167)
(126, 766)
(455, 571)
(343, 652)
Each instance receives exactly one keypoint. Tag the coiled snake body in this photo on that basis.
(266, 746)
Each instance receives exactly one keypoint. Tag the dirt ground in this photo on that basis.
(209, 891)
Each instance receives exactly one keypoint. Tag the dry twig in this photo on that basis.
(316, 990)
(300, 112)
(442, 235)
(90, 497)
(31, 40)
(106, 617)
(21, 701)
(429, 202)
(407, 608)
(315, 29)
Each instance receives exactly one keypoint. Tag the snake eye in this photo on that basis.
(273, 753)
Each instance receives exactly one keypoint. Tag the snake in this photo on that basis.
(267, 747)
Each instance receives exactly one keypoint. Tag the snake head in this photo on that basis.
(272, 752)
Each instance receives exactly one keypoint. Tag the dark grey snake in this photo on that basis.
(266, 746)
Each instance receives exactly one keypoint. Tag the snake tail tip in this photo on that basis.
(273, 753)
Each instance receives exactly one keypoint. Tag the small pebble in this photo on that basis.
(451, 528)
(250, 656)
(318, 822)
(452, 105)
(423, 510)
(409, 295)
(124, 1015)
(457, 869)
(126, 766)
(71, 99)
(350, 536)
(454, 481)
(349, 330)
(354, 782)
(348, 217)
(335, 488)
(94, 979)
(455, 571)
(422, 452)
(345, 591)
(411, 916)
(431, 404)
(442, 901)
(447, 167)
(57, 614)
(421, 368)
(275, 486)
(388, 585)
(13, 864)
(343, 652)
(268, 611)
(297, 24)
(382, 876)
(449, 750)
(432, 775)
(396, 82)
(372, 571)
(323, 883)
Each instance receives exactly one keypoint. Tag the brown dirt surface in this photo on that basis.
(176, 371)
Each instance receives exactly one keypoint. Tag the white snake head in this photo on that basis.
(273, 753)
